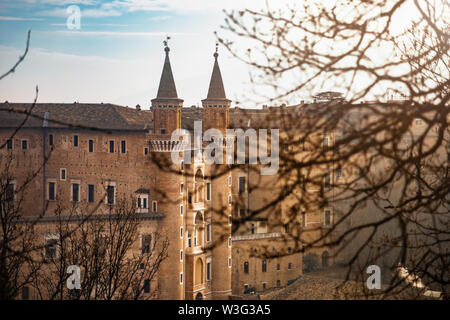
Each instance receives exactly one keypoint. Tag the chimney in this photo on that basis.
(138, 107)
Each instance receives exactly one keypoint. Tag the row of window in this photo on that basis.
(123, 144)
(142, 202)
(264, 266)
(247, 289)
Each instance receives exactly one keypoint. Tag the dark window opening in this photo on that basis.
(264, 266)
(90, 193)
(123, 146)
(241, 184)
(75, 141)
(111, 146)
(50, 140)
(91, 145)
(51, 191)
(146, 286)
(24, 144)
(146, 243)
(246, 267)
(208, 191)
(110, 195)
(75, 192)
(208, 271)
(9, 144)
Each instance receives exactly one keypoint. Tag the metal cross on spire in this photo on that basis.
(217, 49)
(166, 44)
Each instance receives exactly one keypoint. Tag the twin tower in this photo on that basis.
(167, 106)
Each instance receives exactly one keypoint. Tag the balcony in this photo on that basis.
(198, 206)
(256, 236)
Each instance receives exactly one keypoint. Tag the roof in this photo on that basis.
(216, 89)
(81, 115)
(167, 89)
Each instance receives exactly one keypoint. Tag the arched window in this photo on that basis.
(246, 267)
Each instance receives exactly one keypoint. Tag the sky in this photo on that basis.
(117, 54)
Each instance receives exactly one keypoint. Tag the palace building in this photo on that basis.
(82, 153)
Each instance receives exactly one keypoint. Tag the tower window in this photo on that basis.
(9, 144)
(241, 184)
(75, 141)
(90, 193)
(91, 145)
(50, 139)
(123, 146)
(24, 144)
(111, 146)
(163, 131)
(51, 191)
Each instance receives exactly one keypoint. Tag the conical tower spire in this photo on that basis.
(216, 89)
(166, 107)
(167, 89)
(216, 105)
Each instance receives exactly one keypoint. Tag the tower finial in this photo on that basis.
(166, 45)
(215, 53)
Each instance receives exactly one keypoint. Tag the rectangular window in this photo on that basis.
(24, 144)
(111, 146)
(229, 199)
(208, 191)
(51, 191)
(181, 188)
(326, 181)
(146, 241)
(9, 192)
(123, 146)
(208, 232)
(264, 266)
(241, 184)
(50, 249)
(229, 242)
(189, 240)
(181, 277)
(110, 195)
(229, 262)
(189, 197)
(278, 267)
(145, 151)
(144, 203)
(208, 271)
(163, 131)
(91, 145)
(9, 144)
(181, 255)
(75, 192)
(50, 139)
(62, 174)
(139, 203)
(229, 181)
(327, 220)
(146, 285)
(90, 193)
(264, 285)
(181, 210)
(181, 232)
(155, 206)
(289, 265)
(75, 141)
(25, 293)
(246, 267)
(303, 219)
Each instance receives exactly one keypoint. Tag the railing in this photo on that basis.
(199, 206)
(256, 236)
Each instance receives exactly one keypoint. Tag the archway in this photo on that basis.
(325, 257)
(198, 275)
(198, 182)
(199, 296)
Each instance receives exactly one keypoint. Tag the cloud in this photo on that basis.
(3, 18)
(159, 18)
(121, 34)
(89, 13)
